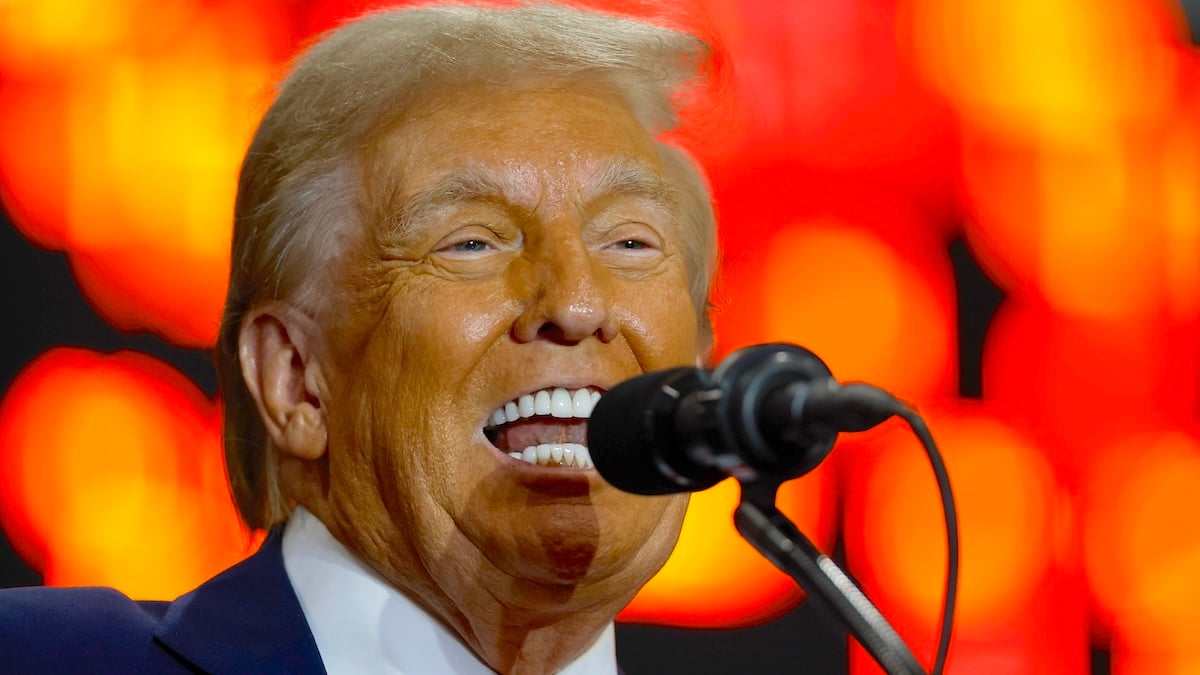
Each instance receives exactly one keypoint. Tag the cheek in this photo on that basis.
(660, 323)
(439, 331)
(402, 371)
(479, 327)
(468, 313)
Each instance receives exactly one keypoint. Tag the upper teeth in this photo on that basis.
(556, 402)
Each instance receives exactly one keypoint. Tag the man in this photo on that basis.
(454, 231)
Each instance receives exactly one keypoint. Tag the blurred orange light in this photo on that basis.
(1180, 174)
(868, 310)
(1017, 611)
(1069, 69)
(1006, 496)
(41, 35)
(1142, 540)
(111, 473)
(714, 579)
(140, 195)
(1068, 225)
(1126, 661)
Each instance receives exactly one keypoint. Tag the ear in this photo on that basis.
(278, 346)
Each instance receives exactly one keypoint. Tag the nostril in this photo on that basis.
(551, 331)
(559, 334)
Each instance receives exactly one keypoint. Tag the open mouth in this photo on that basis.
(546, 427)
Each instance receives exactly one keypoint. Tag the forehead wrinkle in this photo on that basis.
(523, 186)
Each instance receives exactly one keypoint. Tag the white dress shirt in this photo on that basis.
(362, 624)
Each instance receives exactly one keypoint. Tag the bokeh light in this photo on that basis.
(714, 579)
(1081, 381)
(111, 473)
(1006, 496)
(872, 310)
(37, 36)
(1010, 510)
(136, 151)
(1060, 140)
(1142, 536)
(1069, 69)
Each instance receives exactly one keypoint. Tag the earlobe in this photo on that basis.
(277, 348)
(304, 433)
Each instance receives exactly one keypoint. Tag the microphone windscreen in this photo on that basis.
(633, 439)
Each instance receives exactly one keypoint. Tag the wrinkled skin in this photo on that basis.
(546, 271)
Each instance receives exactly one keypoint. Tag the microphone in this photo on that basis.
(766, 414)
(767, 411)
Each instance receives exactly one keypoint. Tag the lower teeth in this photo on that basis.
(556, 454)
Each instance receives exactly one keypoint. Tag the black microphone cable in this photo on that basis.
(858, 407)
(950, 592)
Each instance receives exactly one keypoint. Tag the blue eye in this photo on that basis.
(631, 244)
(470, 246)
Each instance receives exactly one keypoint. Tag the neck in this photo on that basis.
(522, 627)
(531, 648)
(514, 625)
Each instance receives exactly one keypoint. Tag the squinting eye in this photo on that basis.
(470, 246)
(634, 248)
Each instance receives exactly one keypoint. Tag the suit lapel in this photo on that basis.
(245, 620)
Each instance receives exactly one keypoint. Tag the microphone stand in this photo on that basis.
(778, 539)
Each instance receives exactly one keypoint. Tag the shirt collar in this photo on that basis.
(362, 624)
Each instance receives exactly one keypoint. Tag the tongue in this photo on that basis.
(536, 431)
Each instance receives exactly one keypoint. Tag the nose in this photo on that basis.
(569, 302)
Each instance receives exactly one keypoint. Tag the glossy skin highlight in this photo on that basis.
(529, 239)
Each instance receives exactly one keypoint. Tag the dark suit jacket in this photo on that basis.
(247, 620)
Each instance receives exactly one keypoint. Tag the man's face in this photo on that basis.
(532, 246)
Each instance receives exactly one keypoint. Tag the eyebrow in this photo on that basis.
(629, 178)
(615, 178)
(467, 185)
